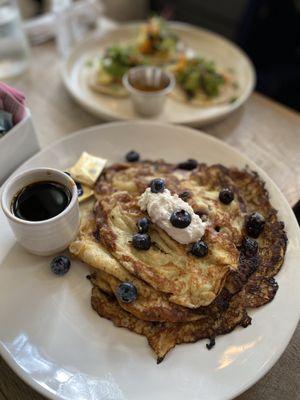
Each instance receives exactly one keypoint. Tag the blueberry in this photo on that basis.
(60, 265)
(180, 219)
(126, 292)
(226, 195)
(143, 225)
(79, 189)
(157, 185)
(255, 223)
(132, 156)
(141, 241)
(78, 185)
(199, 249)
(188, 164)
(249, 247)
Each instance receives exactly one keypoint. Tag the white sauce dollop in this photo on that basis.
(160, 206)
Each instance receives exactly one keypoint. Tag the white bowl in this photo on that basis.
(17, 145)
(49, 236)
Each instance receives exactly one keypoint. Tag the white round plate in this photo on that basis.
(52, 338)
(75, 71)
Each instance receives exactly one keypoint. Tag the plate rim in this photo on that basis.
(47, 392)
(194, 122)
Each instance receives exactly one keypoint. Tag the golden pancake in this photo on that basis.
(162, 337)
(104, 241)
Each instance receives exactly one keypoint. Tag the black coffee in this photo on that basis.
(41, 201)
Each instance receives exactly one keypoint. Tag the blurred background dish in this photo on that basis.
(267, 30)
(76, 70)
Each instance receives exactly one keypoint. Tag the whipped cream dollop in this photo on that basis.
(160, 206)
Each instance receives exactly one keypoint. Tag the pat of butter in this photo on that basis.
(87, 169)
(87, 193)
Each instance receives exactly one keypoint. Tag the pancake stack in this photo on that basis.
(179, 297)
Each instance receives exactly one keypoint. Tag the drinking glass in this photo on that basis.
(14, 49)
(75, 20)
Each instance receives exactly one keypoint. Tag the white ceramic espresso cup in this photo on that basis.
(49, 236)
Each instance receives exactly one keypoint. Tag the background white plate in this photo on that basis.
(210, 45)
(53, 339)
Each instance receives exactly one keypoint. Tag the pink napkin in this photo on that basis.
(12, 101)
